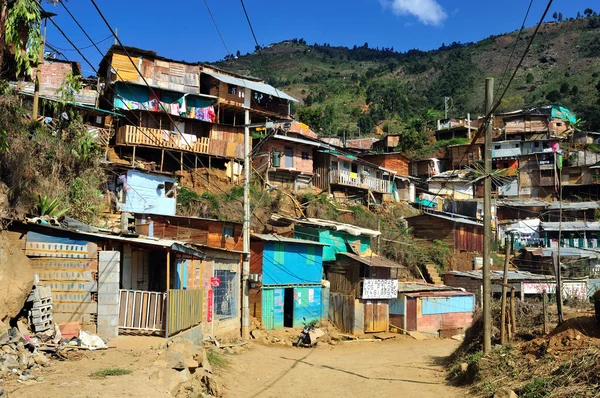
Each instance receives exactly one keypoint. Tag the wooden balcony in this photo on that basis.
(166, 139)
(356, 180)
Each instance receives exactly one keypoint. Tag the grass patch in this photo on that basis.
(102, 373)
(216, 359)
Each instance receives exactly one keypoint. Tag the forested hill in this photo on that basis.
(343, 89)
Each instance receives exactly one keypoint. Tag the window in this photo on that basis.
(517, 145)
(558, 124)
(471, 155)
(334, 165)
(497, 147)
(228, 231)
(232, 89)
(536, 144)
(346, 165)
(354, 168)
(506, 165)
(225, 294)
(305, 156)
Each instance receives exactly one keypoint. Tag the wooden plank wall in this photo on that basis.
(321, 165)
(468, 238)
(341, 312)
(346, 280)
(376, 316)
(255, 295)
(432, 228)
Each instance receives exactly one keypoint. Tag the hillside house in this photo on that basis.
(425, 168)
(439, 310)
(287, 287)
(349, 178)
(538, 175)
(189, 110)
(453, 184)
(460, 233)
(455, 128)
(106, 282)
(221, 243)
(543, 122)
(402, 188)
(142, 192)
(285, 158)
(464, 155)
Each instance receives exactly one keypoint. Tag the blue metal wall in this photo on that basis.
(445, 305)
(397, 306)
(272, 308)
(292, 264)
(143, 195)
(309, 303)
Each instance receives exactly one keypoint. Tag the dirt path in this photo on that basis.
(403, 367)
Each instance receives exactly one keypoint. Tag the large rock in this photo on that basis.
(16, 279)
(505, 393)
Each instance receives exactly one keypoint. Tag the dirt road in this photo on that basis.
(395, 368)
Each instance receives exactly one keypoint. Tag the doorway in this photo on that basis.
(288, 308)
(289, 157)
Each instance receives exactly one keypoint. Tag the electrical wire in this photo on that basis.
(216, 27)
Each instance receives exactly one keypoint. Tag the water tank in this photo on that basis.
(276, 160)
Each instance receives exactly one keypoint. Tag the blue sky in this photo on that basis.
(183, 29)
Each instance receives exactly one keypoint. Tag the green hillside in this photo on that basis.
(351, 90)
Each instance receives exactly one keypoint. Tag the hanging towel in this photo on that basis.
(187, 139)
(166, 135)
(182, 106)
(174, 109)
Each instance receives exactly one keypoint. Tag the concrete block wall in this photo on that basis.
(108, 293)
(470, 285)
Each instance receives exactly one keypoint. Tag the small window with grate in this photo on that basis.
(225, 295)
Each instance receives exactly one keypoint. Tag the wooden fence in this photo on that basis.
(184, 309)
(141, 310)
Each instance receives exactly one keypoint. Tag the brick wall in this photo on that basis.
(304, 165)
(451, 321)
(392, 161)
(53, 73)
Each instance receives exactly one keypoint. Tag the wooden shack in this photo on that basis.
(460, 233)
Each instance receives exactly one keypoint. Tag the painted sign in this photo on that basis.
(570, 289)
(311, 295)
(215, 282)
(209, 307)
(380, 288)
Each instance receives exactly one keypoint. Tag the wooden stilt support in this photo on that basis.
(162, 160)
(133, 159)
(513, 310)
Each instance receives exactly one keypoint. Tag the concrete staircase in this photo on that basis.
(432, 275)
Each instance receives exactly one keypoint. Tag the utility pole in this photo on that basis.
(38, 69)
(487, 218)
(504, 283)
(246, 231)
(556, 255)
(446, 107)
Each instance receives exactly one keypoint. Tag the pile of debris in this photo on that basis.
(185, 370)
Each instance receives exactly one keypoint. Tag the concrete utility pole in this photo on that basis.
(487, 218)
(504, 283)
(556, 255)
(446, 107)
(246, 231)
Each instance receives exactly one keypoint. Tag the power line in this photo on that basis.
(250, 25)
(216, 27)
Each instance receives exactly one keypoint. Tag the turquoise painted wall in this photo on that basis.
(292, 264)
(335, 239)
(445, 305)
(307, 304)
(143, 195)
(272, 308)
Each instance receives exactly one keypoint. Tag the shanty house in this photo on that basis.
(524, 283)
(142, 192)
(113, 284)
(403, 188)
(460, 233)
(288, 276)
(453, 184)
(221, 242)
(286, 157)
(440, 310)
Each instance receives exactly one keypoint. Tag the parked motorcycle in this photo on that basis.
(309, 335)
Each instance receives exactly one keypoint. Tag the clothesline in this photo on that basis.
(177, 108)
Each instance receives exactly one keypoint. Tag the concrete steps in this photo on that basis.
(432, 274)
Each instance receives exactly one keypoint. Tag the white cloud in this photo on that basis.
(429, 12)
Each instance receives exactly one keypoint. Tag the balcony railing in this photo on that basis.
(357, 180)
(157, 138)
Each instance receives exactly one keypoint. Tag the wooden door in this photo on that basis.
(376, 316)
(411, 313)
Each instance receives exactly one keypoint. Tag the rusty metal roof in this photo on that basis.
(373, 261)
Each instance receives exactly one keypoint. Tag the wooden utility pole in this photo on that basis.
(504, 283)
(38, 72)
(556, 265)
(545, 309)
(246, 233)
(487, 219)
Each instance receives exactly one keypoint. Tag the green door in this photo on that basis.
(268, 313)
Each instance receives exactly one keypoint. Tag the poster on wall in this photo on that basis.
(311, 295)
(380, 288)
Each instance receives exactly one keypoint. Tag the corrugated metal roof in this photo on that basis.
(373, 261)
(256, 86)
(498, 275)
(298, 140)
(424, 287)
(574, 205)
(459, 220)
(338, 226)
(283, 239)
(565, 252)
(571, 226)
(522, 203)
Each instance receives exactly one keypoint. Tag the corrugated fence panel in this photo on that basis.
(184, 309)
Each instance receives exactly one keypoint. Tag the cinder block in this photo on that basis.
(108, 277)
(108, 288)
(108, 298)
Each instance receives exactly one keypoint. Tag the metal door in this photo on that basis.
(289, 157)
(411, 313)
(268, 310)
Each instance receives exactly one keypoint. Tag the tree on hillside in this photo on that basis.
(560, 17)
(555, 16)
(578, 15)
(588, 12)
(20, 31)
